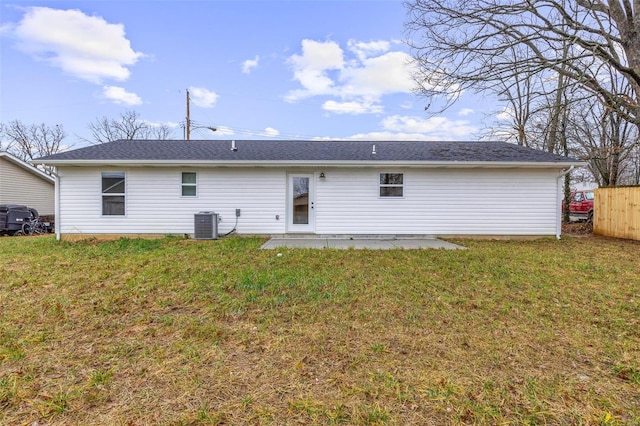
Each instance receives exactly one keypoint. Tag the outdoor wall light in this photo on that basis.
(321, 175)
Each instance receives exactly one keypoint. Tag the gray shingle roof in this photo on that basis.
(305, 151)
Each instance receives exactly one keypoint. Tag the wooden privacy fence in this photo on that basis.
(617, 212)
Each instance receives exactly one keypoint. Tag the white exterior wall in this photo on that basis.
(154, 204)
(19, 186)
(441, 201)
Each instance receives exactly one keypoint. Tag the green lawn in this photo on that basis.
(183, 332)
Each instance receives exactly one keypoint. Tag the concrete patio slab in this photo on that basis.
(346, 243)
(316, 243)
(366, 242)
(432, 243)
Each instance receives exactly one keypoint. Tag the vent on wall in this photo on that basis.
(205, 226)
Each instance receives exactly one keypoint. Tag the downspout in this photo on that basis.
(56, 201)
(559, 200)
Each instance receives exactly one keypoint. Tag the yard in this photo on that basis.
(183, 332)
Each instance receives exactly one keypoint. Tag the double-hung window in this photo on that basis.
(189, 184)
(113, 193)
(391, 184)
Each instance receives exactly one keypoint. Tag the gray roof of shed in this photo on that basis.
(294, 151)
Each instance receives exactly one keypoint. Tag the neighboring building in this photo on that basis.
(146, 187)
(22, 183)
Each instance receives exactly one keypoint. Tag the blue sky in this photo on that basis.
(255, 69)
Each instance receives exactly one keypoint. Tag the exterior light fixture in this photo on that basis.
(321, 175)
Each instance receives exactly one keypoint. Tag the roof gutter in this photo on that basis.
(311, 163)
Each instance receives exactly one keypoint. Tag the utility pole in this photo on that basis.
(187, 132)
(187, 124)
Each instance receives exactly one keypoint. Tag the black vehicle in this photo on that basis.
(13, 216)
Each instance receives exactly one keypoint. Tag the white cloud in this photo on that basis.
(441, 128)
(202, 97)
(465, 111)
(270, 132)
(224, 131)
(169, 124)
(507, 113)
(120, 96)
(385, 74)
(359, 78)
(312, 67)
(87, 47)
(364, 50)
(392, 136)
(410, 128)
(250, 64)
(319, 55)
(353, 107)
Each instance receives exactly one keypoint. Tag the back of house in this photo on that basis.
(157, 187)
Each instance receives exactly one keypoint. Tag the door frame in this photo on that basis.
(301, 228)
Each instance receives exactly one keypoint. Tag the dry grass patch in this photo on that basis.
(181, 332)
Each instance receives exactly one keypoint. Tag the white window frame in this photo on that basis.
(390, 185)
(104, 194)
(184, 185)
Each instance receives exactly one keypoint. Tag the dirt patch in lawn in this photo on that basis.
(578, 229)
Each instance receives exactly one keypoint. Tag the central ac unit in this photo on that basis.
(205, 226)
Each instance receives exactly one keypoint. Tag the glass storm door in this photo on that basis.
(300, 201)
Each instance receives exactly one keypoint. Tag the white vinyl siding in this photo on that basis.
(155, 204)
(19, 186)
(442, 201)
(436, 201)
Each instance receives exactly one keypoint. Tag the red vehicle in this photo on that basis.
(581, 205)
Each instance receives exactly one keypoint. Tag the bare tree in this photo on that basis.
(161, 132)
(585, 53)
(5, 145)
(536, 109)
(630, 173)
(460, 44)
(129, 126)
(605, 140)
(29, 141)
(519, 97)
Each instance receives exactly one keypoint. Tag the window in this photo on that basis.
(391, 184)
(189, 184)
(113, 193)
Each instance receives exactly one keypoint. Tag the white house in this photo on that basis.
(156, 187)
(21, 183)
